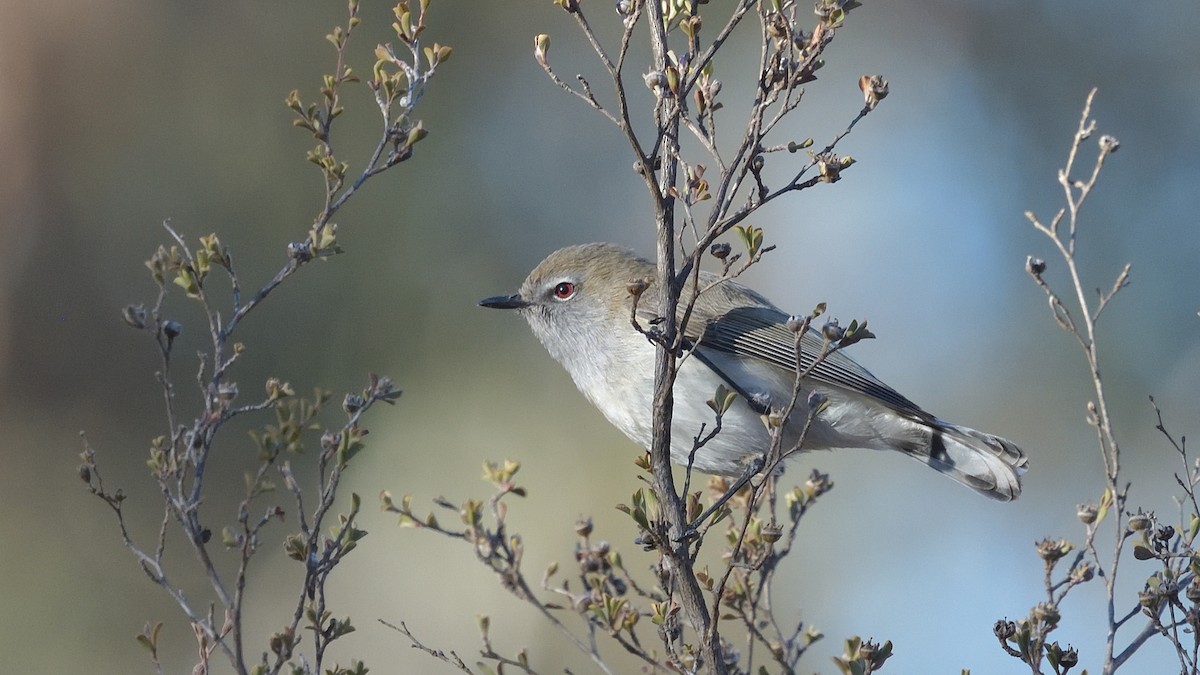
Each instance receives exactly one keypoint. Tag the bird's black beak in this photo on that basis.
(513, 301)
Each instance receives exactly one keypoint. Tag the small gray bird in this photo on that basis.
(577, 302)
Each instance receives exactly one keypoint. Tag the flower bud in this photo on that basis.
(1046, 613)
(1139, 521)
(1051, 551)
(1083, 572)
(816, 401)
(656, 80)
(777, 25)
(832, 331)
(874, 89)
(1086, 513)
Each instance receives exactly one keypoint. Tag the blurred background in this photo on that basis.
(117, 115)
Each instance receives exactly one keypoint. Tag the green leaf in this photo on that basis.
(752, 238)
(1142, 551)
(1106, 501)
(148, 638)
(722, 399)
(186, 279)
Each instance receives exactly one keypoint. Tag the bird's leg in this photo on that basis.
(753, 467)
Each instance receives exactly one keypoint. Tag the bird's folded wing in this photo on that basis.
(760, 333)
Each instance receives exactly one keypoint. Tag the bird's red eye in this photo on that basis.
(564, 290)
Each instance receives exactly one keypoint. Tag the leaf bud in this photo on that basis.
(794, 147)
(832, 331)
(415, 135)
(352, 403)
(1035, 266)
(583, 527)
(1193, 591)
(541, 49)
(134, 316)
(817, 484)
(299, 251)
(1149, 598)
(774, 419)
(816, 401)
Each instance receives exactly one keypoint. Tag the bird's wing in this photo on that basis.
(759, 332)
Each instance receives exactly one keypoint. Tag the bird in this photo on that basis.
(578, 303)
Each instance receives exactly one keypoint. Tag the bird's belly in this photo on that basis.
(742, 435)
(628, 405)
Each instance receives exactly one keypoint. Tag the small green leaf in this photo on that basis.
(185, 278)
(148, 638)
(722, 399)
(295, 547)
(1106, 501)
(1142, 551)
(752, 238)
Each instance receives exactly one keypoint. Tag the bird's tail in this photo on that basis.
(987, 464)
